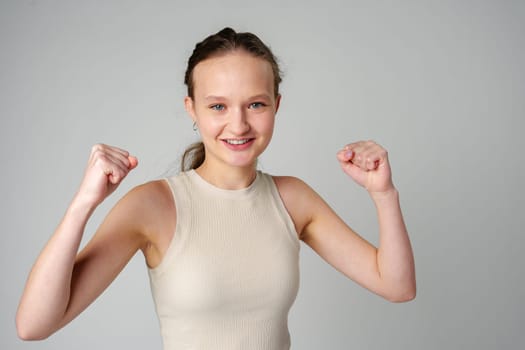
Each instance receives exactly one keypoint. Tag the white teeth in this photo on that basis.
(237, 142)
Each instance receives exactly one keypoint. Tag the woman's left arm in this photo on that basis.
(367, 164)
(387, 270)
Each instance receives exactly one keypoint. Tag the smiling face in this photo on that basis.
(234, 106)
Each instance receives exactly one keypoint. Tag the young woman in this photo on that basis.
(221, 239)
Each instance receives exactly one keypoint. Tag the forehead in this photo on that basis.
(233, 74)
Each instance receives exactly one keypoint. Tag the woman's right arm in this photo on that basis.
(61, 283)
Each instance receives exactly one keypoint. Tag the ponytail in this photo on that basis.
(193, 156)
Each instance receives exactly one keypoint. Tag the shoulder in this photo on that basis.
(152, 191)
(150, 194)
(147, 206)
(292, 187)
(299, 199)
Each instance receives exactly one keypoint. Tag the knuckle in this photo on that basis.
(97, 154)
(102, 161)
(97, 147)
(103, 157)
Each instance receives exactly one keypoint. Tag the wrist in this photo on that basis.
(387, 195)
(82, 205)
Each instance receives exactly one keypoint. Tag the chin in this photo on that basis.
(242, 162)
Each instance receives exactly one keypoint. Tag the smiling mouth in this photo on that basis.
(237, 141)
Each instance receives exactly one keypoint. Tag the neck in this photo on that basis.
(227, 177)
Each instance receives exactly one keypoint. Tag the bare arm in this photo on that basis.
(387, 270)
(60, 284)
(395, 259)
(367, 164)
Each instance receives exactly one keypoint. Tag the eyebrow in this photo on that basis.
(264, 96)
(214, 97)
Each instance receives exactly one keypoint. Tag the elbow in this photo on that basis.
(26, 334)
(403, 295)
(26, 331)
(402, 298)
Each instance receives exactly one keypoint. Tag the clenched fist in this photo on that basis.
(106, 168)
(366, 163)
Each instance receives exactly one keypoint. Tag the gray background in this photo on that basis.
(440, 84)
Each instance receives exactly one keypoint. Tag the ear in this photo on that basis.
(190, 108)
(277, 103)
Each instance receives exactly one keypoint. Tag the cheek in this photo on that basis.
(267, 124)
(210, 125)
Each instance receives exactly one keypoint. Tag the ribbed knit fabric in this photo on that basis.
(231, 271)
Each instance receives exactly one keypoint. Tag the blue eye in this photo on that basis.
(217, 107)
(256, 105)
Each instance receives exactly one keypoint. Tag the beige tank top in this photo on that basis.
(231, 271)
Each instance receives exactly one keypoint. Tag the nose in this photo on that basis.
(238, 122)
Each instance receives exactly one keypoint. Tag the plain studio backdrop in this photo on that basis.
(440, 84)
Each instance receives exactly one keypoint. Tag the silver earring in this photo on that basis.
(195, 126)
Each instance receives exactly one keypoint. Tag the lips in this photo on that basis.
(238, 144)
(237, 141)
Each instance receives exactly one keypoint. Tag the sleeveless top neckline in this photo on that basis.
(212, 189)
